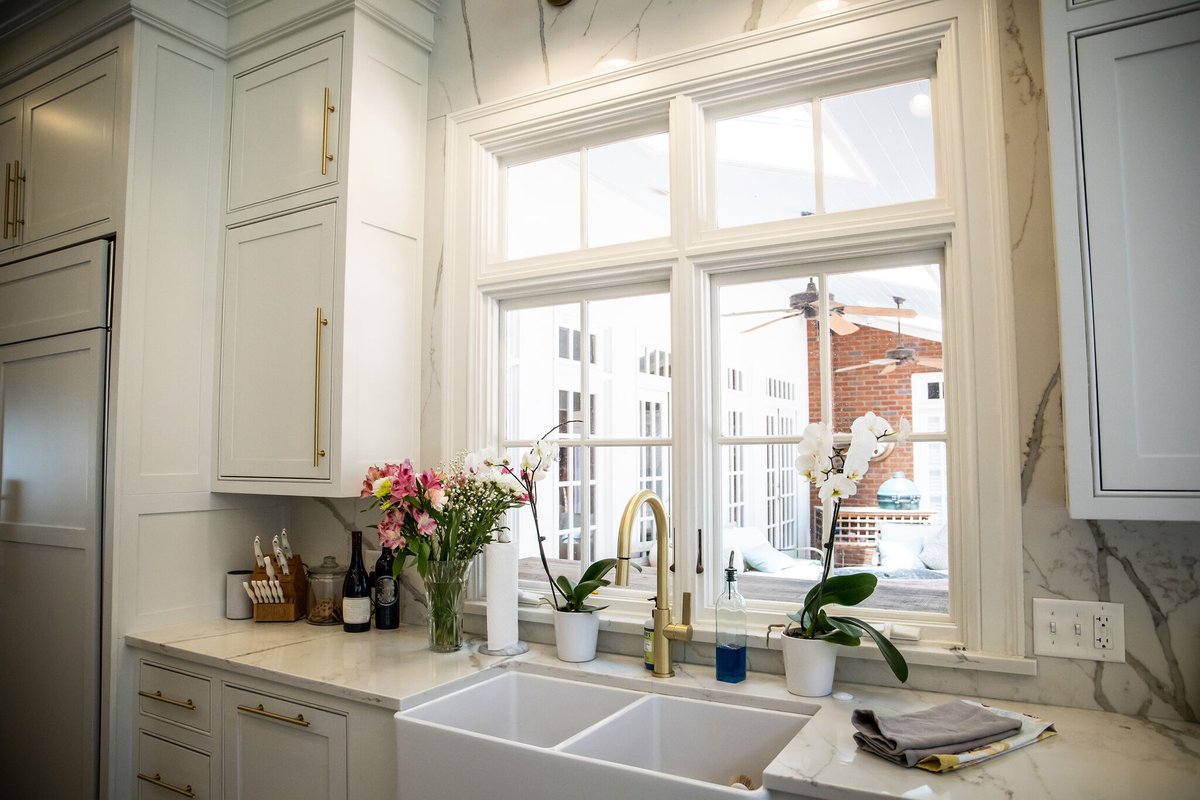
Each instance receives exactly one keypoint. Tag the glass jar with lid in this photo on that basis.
(325, 593)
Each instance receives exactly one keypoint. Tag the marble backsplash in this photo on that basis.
(489, 50)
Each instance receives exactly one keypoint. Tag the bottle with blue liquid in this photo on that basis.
(731, 630)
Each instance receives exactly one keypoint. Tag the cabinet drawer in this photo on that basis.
(170, 770)
(175, 696)
(53, 294)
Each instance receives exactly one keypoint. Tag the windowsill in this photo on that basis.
(926, 655)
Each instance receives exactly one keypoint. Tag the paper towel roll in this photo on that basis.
(501, 595)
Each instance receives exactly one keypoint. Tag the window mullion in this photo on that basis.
(583, 198)
(818, 157)
(585, 450)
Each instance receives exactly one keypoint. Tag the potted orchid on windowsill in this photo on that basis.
(443, 518)
(576, 625)
(809, 641)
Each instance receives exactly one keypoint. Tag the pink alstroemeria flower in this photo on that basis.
(426, 524)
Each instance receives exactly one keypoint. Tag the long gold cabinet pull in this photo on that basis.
(8, 179)
(157, 780)
(18, 179)
(326, 156)
(262, 712)
(188, 704)
(318, 453)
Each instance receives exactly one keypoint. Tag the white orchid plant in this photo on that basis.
(531, 468)
(836, 470)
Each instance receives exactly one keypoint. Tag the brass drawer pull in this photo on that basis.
(188, 704)
(157, 780)
(262, 712)
(326, 156)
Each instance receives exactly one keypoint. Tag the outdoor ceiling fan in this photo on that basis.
(805, 304)
(899, 355)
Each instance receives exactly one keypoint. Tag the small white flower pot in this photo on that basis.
(575, 634)
(808, 665)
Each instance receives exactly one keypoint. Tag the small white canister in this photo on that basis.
(237, 602)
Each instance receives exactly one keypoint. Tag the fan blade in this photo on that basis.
(871, 311)
(760, 311)
(856, 366)
(841, 325)
(772, 322)
(936, 363)
(879, 362)
(888, 368)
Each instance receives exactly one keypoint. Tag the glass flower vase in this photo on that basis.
(445, 586)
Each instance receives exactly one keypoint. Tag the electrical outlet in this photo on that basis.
(1079, 629)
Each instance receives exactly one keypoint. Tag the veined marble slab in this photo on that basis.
(1096, 756)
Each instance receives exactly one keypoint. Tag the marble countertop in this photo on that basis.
(1096, 754)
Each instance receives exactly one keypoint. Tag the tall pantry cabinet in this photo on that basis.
(111, 142)
(321, 293)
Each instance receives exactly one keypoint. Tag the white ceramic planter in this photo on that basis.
(575, 635)
(808, 665)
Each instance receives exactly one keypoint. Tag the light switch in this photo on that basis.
(1079, 629)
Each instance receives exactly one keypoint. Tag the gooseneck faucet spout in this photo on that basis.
(664, 629)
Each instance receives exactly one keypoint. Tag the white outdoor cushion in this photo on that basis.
(935, 551)
(765, 558)
(900, 545)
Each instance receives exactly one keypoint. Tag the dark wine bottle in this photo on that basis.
(387, 593)
(356, 590)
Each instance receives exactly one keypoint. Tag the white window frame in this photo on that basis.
(971, 240)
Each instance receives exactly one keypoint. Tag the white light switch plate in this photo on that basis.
(1079, 629)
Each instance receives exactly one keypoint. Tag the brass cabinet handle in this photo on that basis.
(157, 780)
(318, 453)
(262, 712)
(8, 179)
(326, 156)
(188, 704)
(18, 179)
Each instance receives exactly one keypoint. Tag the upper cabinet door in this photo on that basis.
(1124, 134)
(1140, 125)
(286, 117)
(69, 141)
(10, 157)
(277, 332)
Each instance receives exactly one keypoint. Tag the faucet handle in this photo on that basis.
(687, 610)
(680, 631)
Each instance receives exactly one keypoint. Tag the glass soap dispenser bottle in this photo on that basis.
(731, 630)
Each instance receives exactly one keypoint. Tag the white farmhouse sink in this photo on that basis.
(539, 738)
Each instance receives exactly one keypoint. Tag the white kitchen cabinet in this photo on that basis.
(58, 147)
(308, 402)
(285, 132)
(1125, 131)
(276, 747)
(261, 739)
(168, 769)
(276, 369)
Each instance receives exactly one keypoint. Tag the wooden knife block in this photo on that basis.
(295, 593)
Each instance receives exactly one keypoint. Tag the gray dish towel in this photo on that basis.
(948, 728)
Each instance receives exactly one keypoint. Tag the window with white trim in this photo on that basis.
(868, 168)
(609, 448)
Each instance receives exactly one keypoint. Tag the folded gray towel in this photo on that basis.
(948, 728)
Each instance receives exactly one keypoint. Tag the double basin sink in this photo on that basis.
(527, 736)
